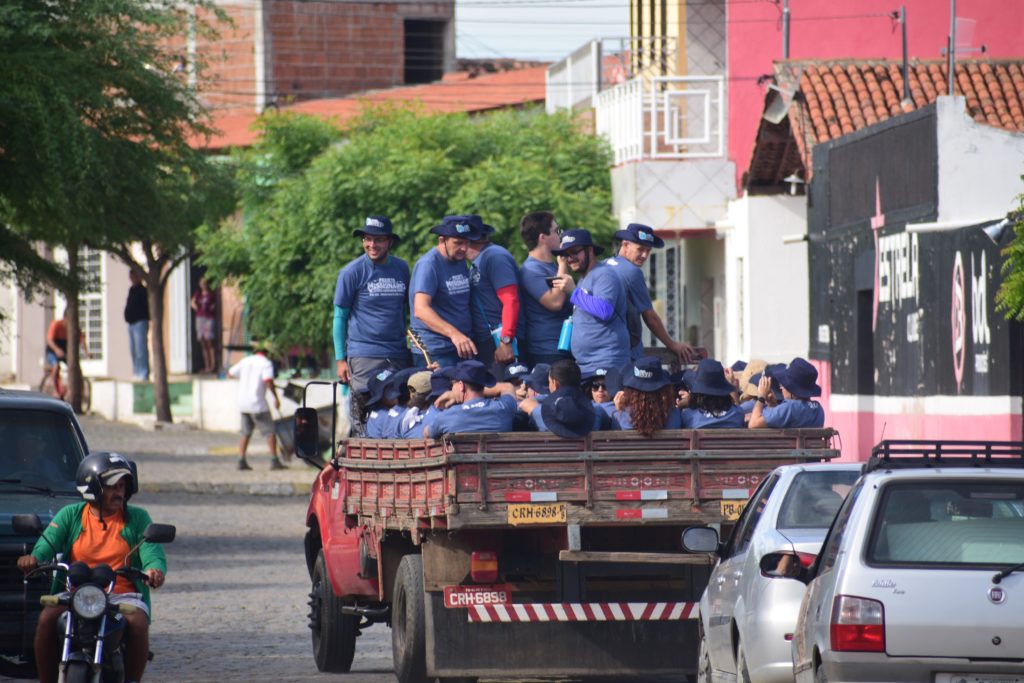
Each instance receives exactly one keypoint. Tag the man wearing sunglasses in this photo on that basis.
(600, 338)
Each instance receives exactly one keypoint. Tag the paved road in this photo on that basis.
(234, 606)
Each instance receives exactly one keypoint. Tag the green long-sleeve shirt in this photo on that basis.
(66, 527)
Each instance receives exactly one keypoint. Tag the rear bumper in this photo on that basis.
(863, 667)
(526, 648)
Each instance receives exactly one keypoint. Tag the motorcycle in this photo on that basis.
(92, 628)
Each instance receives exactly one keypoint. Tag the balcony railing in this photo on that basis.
(664, 117)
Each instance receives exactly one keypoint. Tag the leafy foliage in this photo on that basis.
(305, 187)
(1010, 297)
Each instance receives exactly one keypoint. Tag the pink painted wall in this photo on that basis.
(836, 29)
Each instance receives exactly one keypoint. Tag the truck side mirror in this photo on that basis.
(28, 525)
(307, 435)
(700, 539)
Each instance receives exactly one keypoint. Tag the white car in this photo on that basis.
(746, 618)
(921, 577)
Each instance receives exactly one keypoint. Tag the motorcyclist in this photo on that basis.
(101, 530)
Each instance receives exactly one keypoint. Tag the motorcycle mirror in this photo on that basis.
(307, 435)
(159, 533)
(30, 525)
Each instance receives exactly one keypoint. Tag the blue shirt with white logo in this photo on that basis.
(601, 343)
(698, 419)
(447, 282)
(493, 269)
(539, 326)
(795, 413)
(384, 424)
(639, 299)
(375, 296)
(477, 415)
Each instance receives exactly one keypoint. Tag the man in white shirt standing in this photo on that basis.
(255, 375)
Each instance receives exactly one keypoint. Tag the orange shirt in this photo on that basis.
(97, 545)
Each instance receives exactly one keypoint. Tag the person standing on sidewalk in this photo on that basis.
(204, 303)
(136, 314)
(369, 313)
(255, 375)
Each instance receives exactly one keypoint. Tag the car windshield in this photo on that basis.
(814, 498)
(956, 523)
(38, 448)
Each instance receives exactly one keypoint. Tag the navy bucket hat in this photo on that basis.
(465, 227)
(640, 234)
(800, 379)
(440, 382)
(577, 237)
(612, 378)
(568, 413)
(473, 372)
(514, 372)
(376, 226)
(538, 379)
(711, 379)
(646, 374)
(381, 386)
(684, 379)
(739, 366)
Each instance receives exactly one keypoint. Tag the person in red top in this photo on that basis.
(57, 350)
(204, 303)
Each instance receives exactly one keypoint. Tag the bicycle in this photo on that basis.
(47, 386)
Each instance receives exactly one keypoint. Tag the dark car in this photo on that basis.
(41, 445)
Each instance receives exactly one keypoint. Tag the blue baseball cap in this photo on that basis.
(466, 227)
(577, 237)
(376, 226)
(641, 234)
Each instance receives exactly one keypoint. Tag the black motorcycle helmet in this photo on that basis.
(103, 469)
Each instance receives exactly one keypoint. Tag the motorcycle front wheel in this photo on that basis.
(76, 672)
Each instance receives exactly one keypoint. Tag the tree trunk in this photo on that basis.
(73, 358)
(155, 296)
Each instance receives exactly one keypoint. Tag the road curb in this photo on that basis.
(260, 488)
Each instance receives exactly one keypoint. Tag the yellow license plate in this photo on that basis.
(731, 509)
(532, 513)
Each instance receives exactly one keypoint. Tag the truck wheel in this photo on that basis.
(408, 628)
(334, 633)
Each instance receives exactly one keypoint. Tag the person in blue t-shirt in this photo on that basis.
(494, 277)
(473, 412)
(439, 296)
(369, 312)
(566, 412)
(599, 335)
(424, 412)
(602, 388)
(711, 404)
(382, 400)
(543, 308)
(647, 400)
(799, 382)
(637, 241)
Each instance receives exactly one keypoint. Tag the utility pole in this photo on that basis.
(951, 52)
(785, 29)
(906, 64)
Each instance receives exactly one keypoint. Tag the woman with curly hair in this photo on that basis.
(711, 402)
(647, 400)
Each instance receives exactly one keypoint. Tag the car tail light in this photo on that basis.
(858, 625)
(806, 559)
(483, 566)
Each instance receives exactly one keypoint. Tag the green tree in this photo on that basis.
(1010, 297)
(305, 186)
(96, 118)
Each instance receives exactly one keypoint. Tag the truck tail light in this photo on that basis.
(858, 625)
(483, 566)
(806, 559)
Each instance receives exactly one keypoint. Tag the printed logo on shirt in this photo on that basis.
(474, 276)
(457, 284)
(385, 286)
(612, 262)
(476, 404)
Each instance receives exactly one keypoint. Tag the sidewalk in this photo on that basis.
(178, 458)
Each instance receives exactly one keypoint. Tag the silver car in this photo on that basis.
(746, 618)
(921, 578)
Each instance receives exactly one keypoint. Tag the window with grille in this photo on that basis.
(90, 301)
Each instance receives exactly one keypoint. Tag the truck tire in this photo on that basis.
(334, 633)
(408, 627)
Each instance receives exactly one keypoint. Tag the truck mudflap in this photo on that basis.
(561, 639)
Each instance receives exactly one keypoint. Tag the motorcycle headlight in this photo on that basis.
(89, 602)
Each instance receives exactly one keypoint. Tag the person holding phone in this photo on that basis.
(543, 307)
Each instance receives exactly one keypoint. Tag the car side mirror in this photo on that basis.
(783, 565)
(159, 533)
(28, 525)
(307, 436)
(700, 539)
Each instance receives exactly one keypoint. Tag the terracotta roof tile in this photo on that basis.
(456, 93)
(838, 97)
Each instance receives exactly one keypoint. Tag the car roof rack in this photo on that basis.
(910, 454)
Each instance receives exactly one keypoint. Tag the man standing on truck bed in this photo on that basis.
(494, 277)
(544, 307)
(369, 312)
(637, 241)
(599, 335)
(440, 294)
